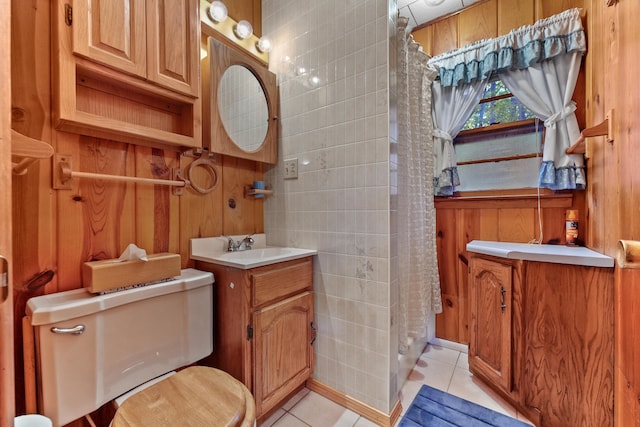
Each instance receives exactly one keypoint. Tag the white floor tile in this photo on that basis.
(441, 354)
(318, 411)
(273, 418)
(432, 372)
(463, 361)
(363, 422)
(466, 386)
(295, 399)
(289, 421)
(440, 367)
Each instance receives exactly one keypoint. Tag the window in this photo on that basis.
(500, 146)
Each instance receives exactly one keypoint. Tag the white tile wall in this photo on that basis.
(332, 63)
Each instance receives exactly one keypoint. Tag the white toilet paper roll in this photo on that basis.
(32, 420)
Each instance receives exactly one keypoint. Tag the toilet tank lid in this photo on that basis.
(61, 306)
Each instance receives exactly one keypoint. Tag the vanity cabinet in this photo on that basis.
(264, 327)
(541, 335)
(491, 320)
(128, 70)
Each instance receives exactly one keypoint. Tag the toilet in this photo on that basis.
(138, 345)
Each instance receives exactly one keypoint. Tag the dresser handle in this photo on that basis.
(76, 330)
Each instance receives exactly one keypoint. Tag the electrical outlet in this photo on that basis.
(291, 169)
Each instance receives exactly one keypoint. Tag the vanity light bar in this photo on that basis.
(227, 28)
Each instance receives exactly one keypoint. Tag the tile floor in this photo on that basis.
(439, 367)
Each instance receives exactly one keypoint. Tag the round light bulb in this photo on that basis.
(263, 45)
(218, 11)
(243, 29)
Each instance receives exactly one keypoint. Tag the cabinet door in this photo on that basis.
(490, 323)
(111, 32)
(173, 44)
(283, 349)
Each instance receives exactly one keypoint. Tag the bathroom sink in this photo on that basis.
(210, 249)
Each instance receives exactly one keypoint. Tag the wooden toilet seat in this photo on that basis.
(195, 396)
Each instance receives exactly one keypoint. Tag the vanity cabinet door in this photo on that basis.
(283, 349)
(111, 33)
(490, 326)
(157, 40)
(173, 45)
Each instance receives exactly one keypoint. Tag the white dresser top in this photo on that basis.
(559, 254)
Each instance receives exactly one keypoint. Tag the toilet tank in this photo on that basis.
(128, 337)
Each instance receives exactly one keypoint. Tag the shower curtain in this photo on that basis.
(419, 281)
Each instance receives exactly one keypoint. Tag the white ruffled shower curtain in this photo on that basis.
(419, 281)
(539, 64)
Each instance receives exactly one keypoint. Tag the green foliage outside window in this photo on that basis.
(497, 106)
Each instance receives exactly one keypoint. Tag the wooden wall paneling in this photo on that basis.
(488, 224)
(424, 36)
(620, 32)
(200, 214)
(156, 201)
(627, 348)
(469, 226)
(514, 14)
(251, 10)
(246, 216)
(614, 154)
(547, 8)
(446, 322)
(33, 210)
(69, 219)
(7, 394)
(445, 35)
(96, 219)
(595, 70)
(553, 226)
(625, 97)
(516, 225)
(478, 22)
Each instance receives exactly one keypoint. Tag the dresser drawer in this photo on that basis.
(280, 280)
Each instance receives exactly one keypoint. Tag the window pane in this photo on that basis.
(503, 110)
(505, 174)
(512, 174)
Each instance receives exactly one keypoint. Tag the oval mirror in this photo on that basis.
(240, 104)
(243, 108)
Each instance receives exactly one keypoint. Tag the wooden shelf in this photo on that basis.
(253, 193)
(605, 128)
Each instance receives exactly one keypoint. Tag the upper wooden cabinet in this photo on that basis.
(153, 39)
(128, 70)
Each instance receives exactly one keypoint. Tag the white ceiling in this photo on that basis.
(420, 11)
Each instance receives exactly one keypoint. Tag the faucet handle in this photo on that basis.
(231, 245)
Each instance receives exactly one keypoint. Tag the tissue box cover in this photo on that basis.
(101, 276)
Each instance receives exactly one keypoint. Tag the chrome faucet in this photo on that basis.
(241, 245)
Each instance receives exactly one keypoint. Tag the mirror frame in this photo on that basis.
(220, 57)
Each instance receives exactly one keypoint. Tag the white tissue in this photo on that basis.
(132, 252)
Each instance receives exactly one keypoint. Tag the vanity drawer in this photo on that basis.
(280, 280)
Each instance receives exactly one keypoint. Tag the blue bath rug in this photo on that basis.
(434, 408)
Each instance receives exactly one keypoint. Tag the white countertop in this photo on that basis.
(559, 254)
(214, 250)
